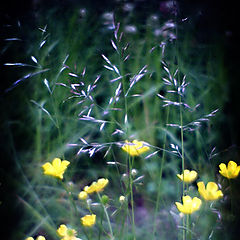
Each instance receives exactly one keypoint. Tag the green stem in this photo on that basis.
(123, 221)
(131, 161)
(85, 233)
(160, 180)
(187, 225)
(57, 120)
(100, 230)
(107, 216)
(183, 160)
(71, 200)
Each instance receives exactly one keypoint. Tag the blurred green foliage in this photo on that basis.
(41, 116)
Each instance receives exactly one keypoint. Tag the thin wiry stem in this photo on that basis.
(160, 180)
(183, 160)
(131, 161)
(107, 216)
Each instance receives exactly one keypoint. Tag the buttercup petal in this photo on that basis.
(41, 238)
(212, 187)
(232, 165)
(62, 230)
(180, 207)
(88, 220)
(219, 194)
(196, 203)
(56, 162)
(223, 167)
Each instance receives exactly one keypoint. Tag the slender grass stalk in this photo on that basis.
(38, 138)
(183, 160)
(57, 119)
(71, 200)
(160, 180)
(107, 216)
(100, 230)
(131, 162)
(189, 235)
(27, 181)
(85, 233)
(123, 221)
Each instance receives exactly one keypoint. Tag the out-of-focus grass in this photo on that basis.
(46, 119)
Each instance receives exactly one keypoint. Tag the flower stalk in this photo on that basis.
(131, 162)
(107, 216)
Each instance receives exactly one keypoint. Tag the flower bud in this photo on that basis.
(105, 199)
(82, 195)
(134, 172)
(121, 199)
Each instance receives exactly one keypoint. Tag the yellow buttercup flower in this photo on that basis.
(62, 230)
(189, 205)
(96, 186)
(188, 176)
(211, 191)
(66, 233)
(231, 171)
(82, 195)
(135, 148)
(41, 238)
(101, 184)
(38, 238)
(90, 189)
(88, 220)
(56, 168)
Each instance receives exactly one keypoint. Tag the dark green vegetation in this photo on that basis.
(63, 46)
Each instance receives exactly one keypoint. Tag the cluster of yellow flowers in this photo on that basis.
(67, 233)
(135, 148)
(38, 238)
(208, 193)
(56, 169)
(94, 187)
(70, 234)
